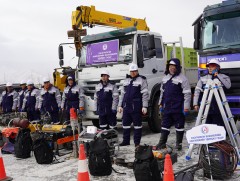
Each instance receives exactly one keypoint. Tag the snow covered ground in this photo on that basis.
(29, 170)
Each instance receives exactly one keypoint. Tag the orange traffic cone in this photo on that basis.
(3, 176)
(83, 174)
(168, 170)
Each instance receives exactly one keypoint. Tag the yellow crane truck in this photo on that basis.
(132, 42)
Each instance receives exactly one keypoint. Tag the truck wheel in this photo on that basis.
(155, 120)
(95, 122)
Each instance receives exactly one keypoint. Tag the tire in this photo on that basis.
(155, 120)
(95, 122)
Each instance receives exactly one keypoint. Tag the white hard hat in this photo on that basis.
(213, 60)
(133, 67)
(23, 82)
(105, 72)
(70, 78)
(172, 62)
(30, 82)
(45, 79)
(9, 84)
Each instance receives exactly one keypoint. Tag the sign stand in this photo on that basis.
(209, 162)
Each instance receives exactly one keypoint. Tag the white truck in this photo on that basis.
(114, 51)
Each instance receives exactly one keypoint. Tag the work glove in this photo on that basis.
(186, 112)
(161, 110)
(120, 109)
(144, 110)
(215, 72)
(114, 111)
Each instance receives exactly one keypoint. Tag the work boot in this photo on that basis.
(126, 137)
(179, 137)
(137, 136)
(136, 147)
(163, 140)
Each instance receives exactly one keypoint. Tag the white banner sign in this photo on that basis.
(206, 134)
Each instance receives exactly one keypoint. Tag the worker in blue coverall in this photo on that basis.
(106, 100)
(73, 97)
(21, 94)
(8, 101)
(50, 100)
(174, 102)
(214, 115)
(30, 102)
(133, 102)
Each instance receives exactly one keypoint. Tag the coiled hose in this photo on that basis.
(221, 165)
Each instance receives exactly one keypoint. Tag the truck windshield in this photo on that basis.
(220, 31)
(113, 51)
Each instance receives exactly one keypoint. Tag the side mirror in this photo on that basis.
(61, 63)
(196, 45)
(151, 46)
(140, 59)
(78, 53)
(197, 30)
(140, 53)
(60, 53)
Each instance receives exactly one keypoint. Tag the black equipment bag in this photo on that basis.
(145, 166)
(42, 151)
(99, 160)
(23, 144)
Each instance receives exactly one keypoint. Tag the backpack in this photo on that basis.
(99, 160)
(145, 166)
(42, 151)
(23, 144)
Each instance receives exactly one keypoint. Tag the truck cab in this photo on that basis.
(217, 36)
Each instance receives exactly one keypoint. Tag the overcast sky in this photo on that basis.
(31, 30)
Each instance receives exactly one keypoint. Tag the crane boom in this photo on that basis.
(89, 16)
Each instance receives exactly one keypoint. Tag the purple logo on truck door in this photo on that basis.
(102, 52)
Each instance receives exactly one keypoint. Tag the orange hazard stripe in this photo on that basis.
(66, 139)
